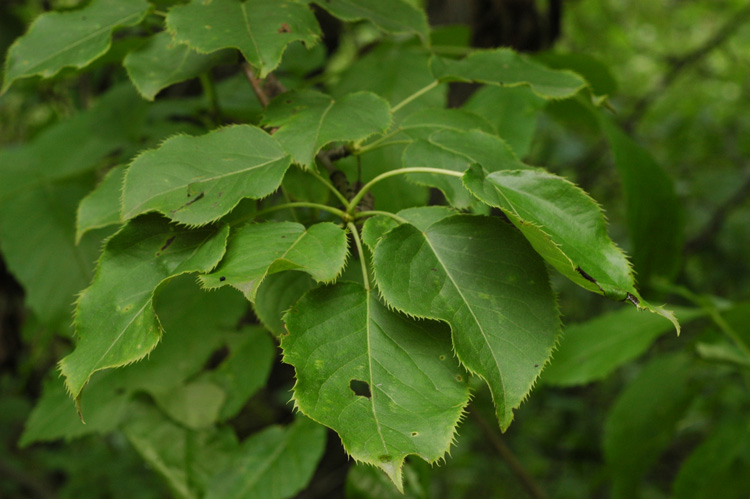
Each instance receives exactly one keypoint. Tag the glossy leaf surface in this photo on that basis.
(276, 463)
(160, 62)
(115, 319)
(393, 16)
(75, 38)
(200, 179)
(260, 29)
(389, 386)
(309, 120)
(257, 250)
(508, 68)
(481, 277)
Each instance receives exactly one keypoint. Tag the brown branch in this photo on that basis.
(255, 82)
(679, 64)
(507, 455)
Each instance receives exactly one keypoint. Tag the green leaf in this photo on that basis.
(505, 67)
(56, 40)
(421, 217)
(101, 207)
(260, 29)
(713, 468)
(202, 178)
(641, 423)
(389, 386)
(422, 123)
(366, 482)
(194, 405)
(276, 294)
(481, 277)
(185, 458)
(654, 213)
(513, 112)
(309, 120)
(274, 464)
(597, 73)
(590, 351)
(392, 16)
(160, 62)
(257, 250)
(115, 319)
(457, 151)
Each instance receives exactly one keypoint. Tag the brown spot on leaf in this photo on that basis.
(285, 28)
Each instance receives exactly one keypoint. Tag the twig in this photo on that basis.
(256, 84)
(507, 455)
(708, 234)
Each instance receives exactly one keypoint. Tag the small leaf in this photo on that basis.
(260, 29)
(194, 405)
(101, 207)
(389, 386)
(392, 16)
(257, 250)
(202, 178)
(590, 351)
(276, 294)
(481, 277)
(641, 423)
(309, 120)
(422, 123)
(160, 62)
(115, 319)
(421, 217)
(274, 464)
(56, 40)
(505, 67)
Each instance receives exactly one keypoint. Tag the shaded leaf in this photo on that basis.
(203, 178)
(392, 16)
(275, 464)
(194, 405)
(366, 482)
(160, 62)
(78, 38)
(389, 386)
(260, 29)
(277, 293)
(641, 423)
(257, 250)
(507, 68)
(481, 277)
(115, 319)
(590, 351)
(654, 213)
(309, 120)
(101, 207)
(421, 217)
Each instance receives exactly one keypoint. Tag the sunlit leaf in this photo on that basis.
(160, 62)
(481, 277)
(195, 180)
(115, 319)
(260, 29)
(389, 386)
(56, 40)
(275, 464)
(257, 250)
(506, 67)
(308, 120)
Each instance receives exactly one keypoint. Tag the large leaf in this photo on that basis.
(456, 151)
(507, 68)
(481, 277)
(160, 62)
(274, 464)
(115, 319)
(564, 225)
(389, 386)
(200, 179)
(393, 16)
(260, 29)
(654, 213)
(69, 39)
(308, 120)
(641, 423)
(101, 207)
(592, 350)
(257, 250)
(421, 217)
